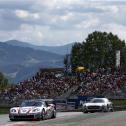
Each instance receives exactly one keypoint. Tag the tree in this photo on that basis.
(98, 50)
(123, 57)
(75, 54)
(3, 82)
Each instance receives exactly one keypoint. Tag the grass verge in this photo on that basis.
(4, 110)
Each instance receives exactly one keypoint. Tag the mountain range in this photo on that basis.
(21, 60)
(62, 50)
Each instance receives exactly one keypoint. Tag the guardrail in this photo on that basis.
(119, 108)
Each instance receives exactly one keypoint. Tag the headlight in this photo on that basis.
(36, 110)
(12, 110)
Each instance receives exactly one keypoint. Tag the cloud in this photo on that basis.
(14, 4)
(22, 14)
(117, 29)
(89, 22)
(59, 21)
(26, 15)
(30, 33)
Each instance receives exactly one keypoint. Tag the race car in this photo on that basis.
(97, 104)
(33, 110)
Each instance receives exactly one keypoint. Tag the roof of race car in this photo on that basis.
(100, 98)
(104, 99)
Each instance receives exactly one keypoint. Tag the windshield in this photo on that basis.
(31, 103)
(97, 101)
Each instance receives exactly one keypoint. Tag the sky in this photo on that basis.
(59, 22)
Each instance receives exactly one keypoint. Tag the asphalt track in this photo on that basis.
(73, 119)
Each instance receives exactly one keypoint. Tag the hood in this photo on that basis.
(94, 104)
(25, 109)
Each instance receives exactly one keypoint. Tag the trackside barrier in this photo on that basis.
(71, 105)
(119, 108)
(61, 104)
(75, 104)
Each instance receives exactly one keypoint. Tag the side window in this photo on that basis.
(45, 104)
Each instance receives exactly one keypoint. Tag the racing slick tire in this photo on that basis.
(106, 109)
(43, 114)
(12, 120)
(84, 110)
(53, 115)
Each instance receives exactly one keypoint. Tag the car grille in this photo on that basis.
(24, 117)
(93, 107)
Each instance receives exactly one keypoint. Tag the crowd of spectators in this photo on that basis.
(42, 85)
(103, 82)
(53, 84)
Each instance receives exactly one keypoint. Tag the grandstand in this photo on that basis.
(45, 84)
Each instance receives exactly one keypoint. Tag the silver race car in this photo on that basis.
(34, 110)
(97, 104)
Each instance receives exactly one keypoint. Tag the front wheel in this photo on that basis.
(105, 108)
(111, 109)
(12, 119)
(43, 114)
(54, 114)
(84, 110)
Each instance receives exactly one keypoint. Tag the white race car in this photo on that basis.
(97, 104)
(33, 109)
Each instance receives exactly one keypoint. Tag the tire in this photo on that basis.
(43, 114)
(106, 109)
(12, 119)
(84, 110)
(111, 109)
(53, 115)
